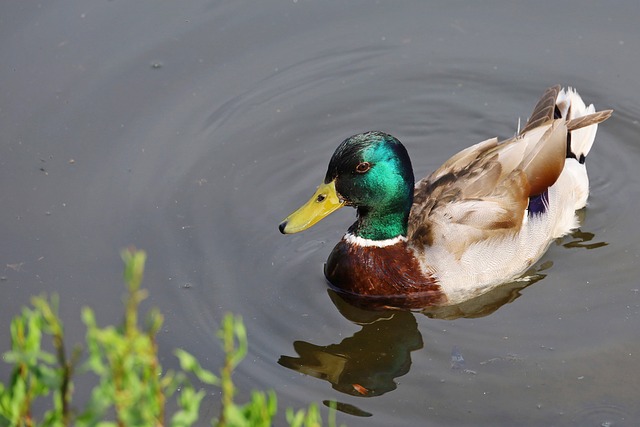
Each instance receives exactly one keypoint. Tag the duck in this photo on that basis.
(480, 220)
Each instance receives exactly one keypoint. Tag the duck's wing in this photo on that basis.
(483, 191)
(472, 197)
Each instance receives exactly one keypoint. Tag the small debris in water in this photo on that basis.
(510, 357)
(457, 361)
(16, 266)
(156, 65)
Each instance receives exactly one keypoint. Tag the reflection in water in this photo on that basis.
(346, 408)
(367, 363)
(486, 304)
(580, 240)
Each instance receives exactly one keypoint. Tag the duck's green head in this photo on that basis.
(372, 172)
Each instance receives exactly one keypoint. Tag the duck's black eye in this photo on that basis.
(363, 167)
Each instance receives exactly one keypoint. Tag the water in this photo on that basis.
(191, 129)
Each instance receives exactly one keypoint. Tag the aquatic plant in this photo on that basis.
(132, 389)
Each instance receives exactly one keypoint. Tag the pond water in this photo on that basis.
(191, 128)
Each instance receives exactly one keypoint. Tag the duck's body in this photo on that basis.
(479, 220)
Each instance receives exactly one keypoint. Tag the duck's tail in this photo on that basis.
(582, 122)
(559, 111)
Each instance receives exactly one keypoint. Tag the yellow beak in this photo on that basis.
(324, 201)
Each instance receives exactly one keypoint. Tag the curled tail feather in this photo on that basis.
(582, 125)
(582, 122)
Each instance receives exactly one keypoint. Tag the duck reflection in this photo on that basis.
(367, 363)
(583, 239)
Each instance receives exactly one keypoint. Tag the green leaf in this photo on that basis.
(134, 261)
(189, 401)
(190, 364)
(295, 418)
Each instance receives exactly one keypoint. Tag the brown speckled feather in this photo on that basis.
(544, 110)
(588, 120)
(474, 203)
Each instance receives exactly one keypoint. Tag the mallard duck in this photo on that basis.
(480, 220)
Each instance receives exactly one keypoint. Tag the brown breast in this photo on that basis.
(377, 277)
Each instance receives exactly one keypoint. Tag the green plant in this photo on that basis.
(132, 389)
(37, 372)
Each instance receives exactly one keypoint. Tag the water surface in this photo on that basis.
(190, 129)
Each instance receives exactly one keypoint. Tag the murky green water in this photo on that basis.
(192, 128)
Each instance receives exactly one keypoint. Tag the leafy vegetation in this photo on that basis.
(132, 388)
